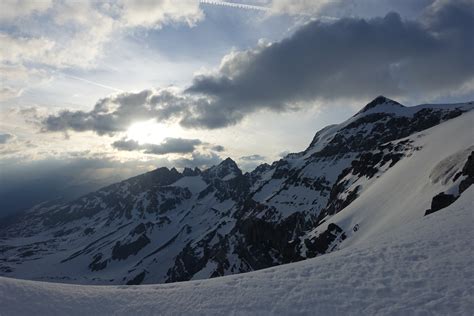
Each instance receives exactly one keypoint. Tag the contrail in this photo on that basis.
(93, 83)
(234, 5)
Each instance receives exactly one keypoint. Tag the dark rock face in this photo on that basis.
(123, 251)
(188, 172)
(98, 263)
(368, 165)
(440, 201)
(225, 168)
(88, 231)
(468, 172)
(325, 242)
(234, 188)
(263, 243)
(192, 259)
(443, 200)
(138, 279)
(336, 203)
(282, 168)
(388, 127)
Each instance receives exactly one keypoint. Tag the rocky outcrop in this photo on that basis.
(465, 178)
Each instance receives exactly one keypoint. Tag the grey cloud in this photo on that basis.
(199, 160)
(110, 115)
(173, 145)
(168, 146)
(116, 113)
(5, 138)
(218, 148)
(350, 58)
(253, 158)
(127, 145)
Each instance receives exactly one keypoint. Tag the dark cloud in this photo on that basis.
(168, 146)
(253, 158)
(127, 145)
(173, 145)
(350, 58)
(116, 114)
(5, 138)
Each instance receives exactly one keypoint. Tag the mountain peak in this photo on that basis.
(378, 101)
(229, 165)
(188, 172)
(226, 170)
(228, 162)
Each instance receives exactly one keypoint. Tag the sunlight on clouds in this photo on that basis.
(151, 132)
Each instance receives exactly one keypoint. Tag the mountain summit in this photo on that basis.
(379, 102)
(226, 170)
(357, 179)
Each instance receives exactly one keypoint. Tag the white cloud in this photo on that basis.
(44, 36)
(12, 9)
(7, 92)
(155, 13)
(17, 78)
(85, 32)
(24, 49)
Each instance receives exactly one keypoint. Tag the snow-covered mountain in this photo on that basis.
(422, 268)
(383, 168)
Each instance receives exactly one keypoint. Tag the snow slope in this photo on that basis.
(405, 191)
(425, 267)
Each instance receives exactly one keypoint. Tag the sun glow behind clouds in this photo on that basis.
(151, 132)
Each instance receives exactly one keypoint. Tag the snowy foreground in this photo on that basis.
(425, 267)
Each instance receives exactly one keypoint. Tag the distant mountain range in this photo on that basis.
(382, 168)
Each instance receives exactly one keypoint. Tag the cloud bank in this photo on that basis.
(168, 146)
(350, 58)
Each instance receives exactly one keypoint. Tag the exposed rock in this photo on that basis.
(98, 263)
(324, 242)
(440, 201)
(138, 279)
(123, 251)
(468, 172)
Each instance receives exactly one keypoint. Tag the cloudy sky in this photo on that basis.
(94, 92)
